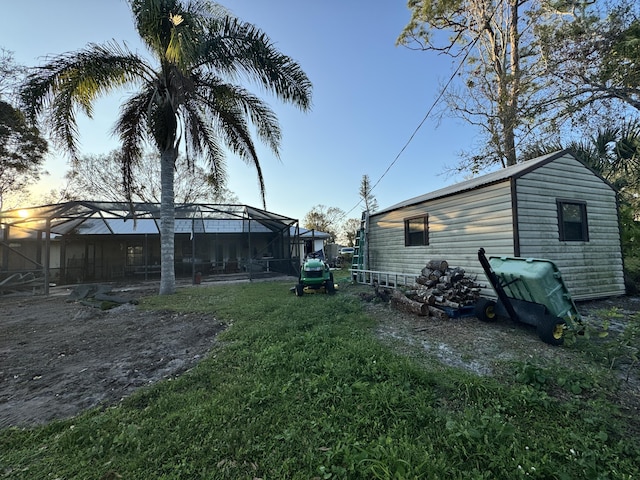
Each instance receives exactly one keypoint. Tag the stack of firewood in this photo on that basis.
(438, 286)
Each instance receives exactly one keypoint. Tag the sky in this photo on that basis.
(369, 97)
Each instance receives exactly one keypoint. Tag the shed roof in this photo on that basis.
(502, 175)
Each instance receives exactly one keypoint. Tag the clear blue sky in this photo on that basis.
(368, 97)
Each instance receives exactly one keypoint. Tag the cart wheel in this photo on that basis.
(485, 310)
(299, 290)
(551, 330)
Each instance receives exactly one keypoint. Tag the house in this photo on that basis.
(87, 241)
(311, 241)
(553, 207)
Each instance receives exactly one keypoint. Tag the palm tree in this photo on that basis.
(613, 152)
(186, 99)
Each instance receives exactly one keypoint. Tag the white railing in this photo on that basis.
(388, 279)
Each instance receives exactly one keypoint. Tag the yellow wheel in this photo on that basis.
(558, 331)
(485, 310)
(551, 330)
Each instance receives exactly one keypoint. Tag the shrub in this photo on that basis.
(632, 274)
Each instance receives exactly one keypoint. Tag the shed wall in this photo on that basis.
(458, 226)
(590, 269)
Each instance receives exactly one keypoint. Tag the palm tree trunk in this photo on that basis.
(167, 223)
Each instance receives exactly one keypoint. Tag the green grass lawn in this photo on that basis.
(302, 388)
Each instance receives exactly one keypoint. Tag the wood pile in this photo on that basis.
(438, 289)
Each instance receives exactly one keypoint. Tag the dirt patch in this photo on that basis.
(59, 357)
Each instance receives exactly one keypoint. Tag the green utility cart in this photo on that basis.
(530, 291)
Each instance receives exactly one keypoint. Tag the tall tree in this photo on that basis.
(594, 61)
(100, 177)
(185, 99)
(350, 229)
(496, 44)
(324, 219)
(370, 202)
(22, 151)
(494, 73)
(22, 148)
(11, 76)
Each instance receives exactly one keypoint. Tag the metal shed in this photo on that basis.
(552, 207)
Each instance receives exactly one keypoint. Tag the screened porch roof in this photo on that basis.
(84, 217)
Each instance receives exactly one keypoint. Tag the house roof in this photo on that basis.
(307, 234)
(502, 175)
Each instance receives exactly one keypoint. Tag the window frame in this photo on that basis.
(563, 232)
(134, 256)
(410, 236)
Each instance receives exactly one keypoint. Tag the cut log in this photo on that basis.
(457, 274)
(437, 313)
(440, 265)
(401, 302)
(442, 286)
(435, 275)
(427, 294)
(429, 299)
(448, 303)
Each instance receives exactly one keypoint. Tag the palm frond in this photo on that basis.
(214, 91)
(201, 140)
(538, 150)
(628, 146)
(229, 119)
(234, 47)
(132, 128)
(73, 81)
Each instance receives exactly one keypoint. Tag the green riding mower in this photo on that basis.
(315, 277)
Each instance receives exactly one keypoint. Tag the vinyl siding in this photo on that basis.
(590, 269)
(458, 226)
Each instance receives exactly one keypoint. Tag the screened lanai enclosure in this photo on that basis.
(80, 241)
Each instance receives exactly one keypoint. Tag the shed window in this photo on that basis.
(416, 231)
(572, 221)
